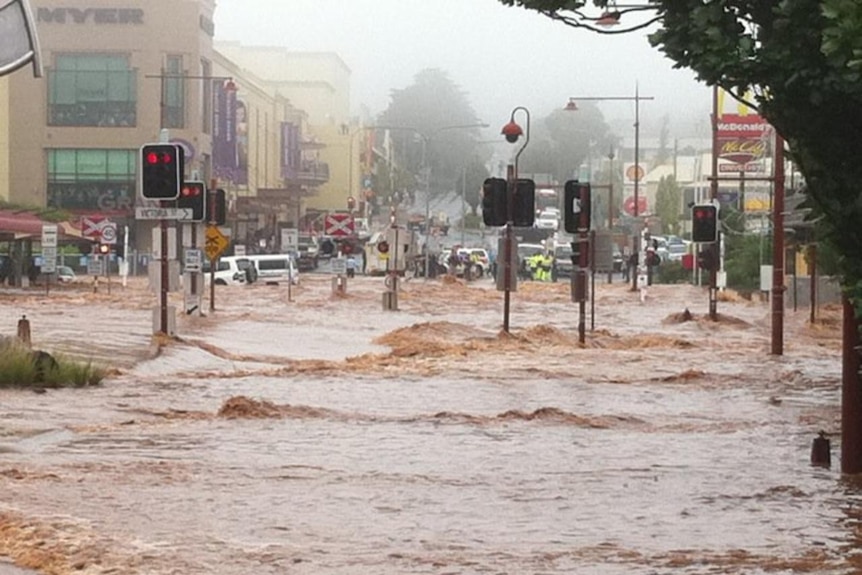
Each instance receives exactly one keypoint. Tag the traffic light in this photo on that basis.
(494, 202)
(383, 247)
(577, 207)
(104, 249)
(524, 204)
(193, 196)
(216, 207)
(161, 171)
(704, 223)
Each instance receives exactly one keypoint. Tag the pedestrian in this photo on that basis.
(351, 266)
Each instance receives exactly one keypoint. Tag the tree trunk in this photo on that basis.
(851, 394)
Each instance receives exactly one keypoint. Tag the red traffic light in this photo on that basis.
(104, 248)
(383, 247)
(190, 191)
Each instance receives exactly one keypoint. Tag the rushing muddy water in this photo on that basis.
(320, 434)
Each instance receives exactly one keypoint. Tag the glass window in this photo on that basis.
(174, 96)
(92, 90)
(92, 179)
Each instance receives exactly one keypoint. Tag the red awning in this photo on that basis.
(17, 225)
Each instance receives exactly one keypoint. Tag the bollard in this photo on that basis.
(24, 330)
(339, 285)
(821, 454)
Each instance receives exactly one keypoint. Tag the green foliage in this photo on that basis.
(17, 369)
(803, 59)
(742, 259)
(668, 201)
(562, 141)
(427, 122)
(671, 273)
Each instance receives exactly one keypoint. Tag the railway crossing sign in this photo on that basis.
(216, 242)
(338, 225)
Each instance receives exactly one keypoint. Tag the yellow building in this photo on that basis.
(115, 77)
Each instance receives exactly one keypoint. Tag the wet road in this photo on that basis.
(326, 435)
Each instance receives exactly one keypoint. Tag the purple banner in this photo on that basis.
(224, 132)
(290, 152)
(240, 125)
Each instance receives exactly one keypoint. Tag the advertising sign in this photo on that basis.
(742, 136)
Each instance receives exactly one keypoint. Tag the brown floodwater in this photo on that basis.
(321, 434)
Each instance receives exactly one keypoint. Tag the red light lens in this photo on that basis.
(152, 158)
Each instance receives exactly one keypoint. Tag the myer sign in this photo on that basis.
(94, 15)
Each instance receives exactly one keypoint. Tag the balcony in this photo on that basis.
(312, 173)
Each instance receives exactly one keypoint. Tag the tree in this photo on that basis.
(426, 122)
(803, 60)
(668, 202)
(562, 141)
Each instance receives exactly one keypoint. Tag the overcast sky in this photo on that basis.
(501, 57)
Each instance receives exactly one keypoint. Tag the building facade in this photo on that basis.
(118, 75)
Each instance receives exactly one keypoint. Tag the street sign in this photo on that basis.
(216, 242)
(49, 259)
(193, 259)
(91, 227)
(49, 236)
(109, 232)
(338, 225)
(94, 266)
(289, 239)
(163, 214)
(339, 266)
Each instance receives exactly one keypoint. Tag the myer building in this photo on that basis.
(116, 74)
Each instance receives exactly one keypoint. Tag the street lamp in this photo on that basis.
(512, 132)
(572, 106)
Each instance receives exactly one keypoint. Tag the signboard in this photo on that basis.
(91, 227)
(741, 135)
(289, 239)
(49, 259)
(163, 213)
(216, 242)
(338, 225)
(339, 266)
(109, 232)
(193, 260)
(49, 236)
(94, 266)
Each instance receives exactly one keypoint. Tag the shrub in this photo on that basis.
(18, 368)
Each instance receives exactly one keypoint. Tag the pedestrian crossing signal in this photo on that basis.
(576, 214)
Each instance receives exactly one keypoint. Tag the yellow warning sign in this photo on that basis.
(217, 242)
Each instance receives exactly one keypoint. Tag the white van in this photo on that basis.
(230, 270)
(275, 268)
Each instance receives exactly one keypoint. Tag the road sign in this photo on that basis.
(193, 259)
(94, 266)
(338, 225)
(163, 214)
(91, 227)
(289, 239)
(109, 232)
(49, 236)
(339, 266)
(49, 259)
(216, 242)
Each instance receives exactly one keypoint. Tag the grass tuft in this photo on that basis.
(18, 369)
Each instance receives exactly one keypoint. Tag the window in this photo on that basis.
(91, 179)
(173, 93)
(92, 90)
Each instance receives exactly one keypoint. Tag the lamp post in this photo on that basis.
(572, 106)
(512, 131)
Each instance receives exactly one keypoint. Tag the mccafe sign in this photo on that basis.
(134, 16)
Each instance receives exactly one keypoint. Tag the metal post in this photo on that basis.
(778, 250)
(713, 194)
(507, 259)
(611, 210)
(635, 238)
(164, 283)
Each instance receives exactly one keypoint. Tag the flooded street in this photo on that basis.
(320, 434)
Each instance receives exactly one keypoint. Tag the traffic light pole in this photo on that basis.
(164, 282)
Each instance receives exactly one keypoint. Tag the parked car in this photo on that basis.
(66, 275)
